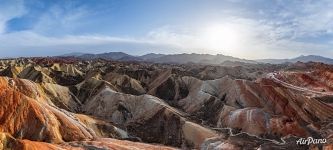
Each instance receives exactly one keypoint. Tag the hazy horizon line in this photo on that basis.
(62, 55)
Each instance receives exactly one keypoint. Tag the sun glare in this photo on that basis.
(221, 37)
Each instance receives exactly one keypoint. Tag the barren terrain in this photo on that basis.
(68, 103)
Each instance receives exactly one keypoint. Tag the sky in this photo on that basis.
(250, 29)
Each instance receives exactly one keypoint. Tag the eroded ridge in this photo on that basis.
(80, 104)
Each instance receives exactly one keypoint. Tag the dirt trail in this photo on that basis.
(285, 84)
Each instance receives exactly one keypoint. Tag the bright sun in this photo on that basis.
(221, 37)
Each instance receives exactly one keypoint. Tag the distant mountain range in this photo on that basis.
(162, 58)
(301, 58)
(151, 56)
(193, 58)
(110, 56)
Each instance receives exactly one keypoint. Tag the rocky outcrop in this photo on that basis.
(8, 142)
(138, 114)
(36, 74)
(33, 119)
(125, 84)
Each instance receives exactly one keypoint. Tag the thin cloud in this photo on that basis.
(282, 30)
(9, 10)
